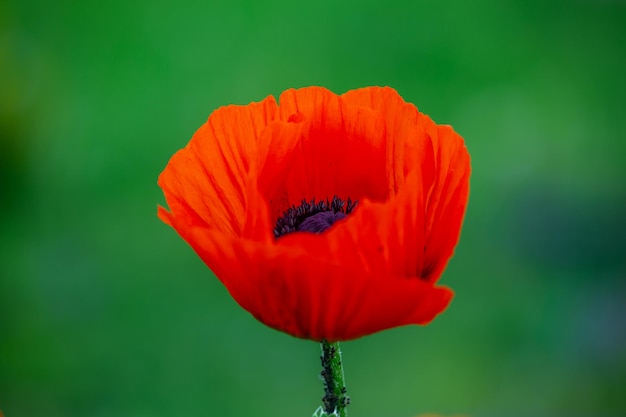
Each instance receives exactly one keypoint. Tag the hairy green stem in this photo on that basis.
(335, 399)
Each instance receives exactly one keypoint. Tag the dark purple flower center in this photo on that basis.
(319, 222)
(313, 217)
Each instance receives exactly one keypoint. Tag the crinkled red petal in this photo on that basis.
(207, 180)
(289, 290)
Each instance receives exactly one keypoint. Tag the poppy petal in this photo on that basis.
(337, 149)
(206, 181)
(289, 290)
(404, 130)
(445, 169)
(447, 200)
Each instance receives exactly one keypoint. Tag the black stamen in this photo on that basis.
(313, 217)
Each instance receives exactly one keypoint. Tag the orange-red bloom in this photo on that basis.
(376, 267)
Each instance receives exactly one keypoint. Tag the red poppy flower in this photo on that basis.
(325, 216)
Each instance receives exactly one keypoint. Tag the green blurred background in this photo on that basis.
(104, 311)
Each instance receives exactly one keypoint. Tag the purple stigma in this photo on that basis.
(313, 216)
(319, 222)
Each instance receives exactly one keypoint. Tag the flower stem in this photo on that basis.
(335, 399)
